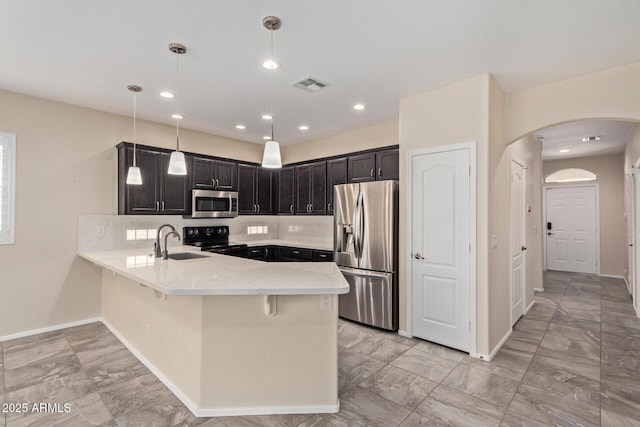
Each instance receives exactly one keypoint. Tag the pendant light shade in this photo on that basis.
(134, 177)
(271, 157)
(177, 163)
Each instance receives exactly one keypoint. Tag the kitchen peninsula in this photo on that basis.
(229, 336)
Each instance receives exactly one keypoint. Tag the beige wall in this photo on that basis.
(380, 135)
(66, 167)
(631, 157)
(449, 115)
(610, 94)
(610, 171)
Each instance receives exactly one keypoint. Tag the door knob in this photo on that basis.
(524, 248)
(549, 234)
(417, 255)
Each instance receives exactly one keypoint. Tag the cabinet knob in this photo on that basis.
(258, 208)
(371, 173)
(157, 205)
(379, 171)
(163, 206)
(291, 208)
(329, 207)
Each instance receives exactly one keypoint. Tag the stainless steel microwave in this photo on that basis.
(213, 204)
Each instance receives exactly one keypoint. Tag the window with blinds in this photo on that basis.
(7, 187)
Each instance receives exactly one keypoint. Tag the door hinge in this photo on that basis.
(469, 325)
(469, 170)
(469, 247)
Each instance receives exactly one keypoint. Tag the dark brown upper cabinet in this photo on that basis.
(374, 166)
(336, 174)
(311, 181)
(285, 191)
(388, 164)
(255, 189)
(215, 174)
(160, 193)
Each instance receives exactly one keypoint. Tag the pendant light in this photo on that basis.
(133, 174)
(177, 164)
(271, 157)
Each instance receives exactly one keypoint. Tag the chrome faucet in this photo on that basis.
(165, 253)
(157, 249)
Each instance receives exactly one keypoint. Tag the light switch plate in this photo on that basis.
(494, 241)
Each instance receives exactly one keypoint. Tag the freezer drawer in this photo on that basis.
(372, 299)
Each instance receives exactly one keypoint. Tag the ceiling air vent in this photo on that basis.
(309, 84)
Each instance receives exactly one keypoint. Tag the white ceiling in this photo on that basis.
(86, 52)
(613, 138)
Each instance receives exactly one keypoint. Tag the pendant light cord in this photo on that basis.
(177, 101)
(134, 128)
(271, 97)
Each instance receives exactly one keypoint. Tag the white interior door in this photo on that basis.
(440, 242)
(571, 229)
(517, 239)
(631, 244)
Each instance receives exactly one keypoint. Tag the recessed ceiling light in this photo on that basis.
(166, 94)
(565, 150)
(177, 116)
(270, 64)
(241, 127)
(590, 138)
(359, 107)
(304, 127)
(267, 117)
(266, 137)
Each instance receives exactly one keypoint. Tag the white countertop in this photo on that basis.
(221, 274)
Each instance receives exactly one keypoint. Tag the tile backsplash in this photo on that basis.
(104, 232)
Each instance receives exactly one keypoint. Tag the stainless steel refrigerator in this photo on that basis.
(366, 251)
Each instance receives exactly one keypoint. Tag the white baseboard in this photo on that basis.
(269, 410)
(538, 289)
(405, 334)
(220, 412)
(612, 276)
(526, 310)
(489, 357)
(49, 329)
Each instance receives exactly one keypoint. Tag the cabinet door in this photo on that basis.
(303, 182)
(264, 193)
(362, 167)
(336, 174)
(388, 164)
(318, 188)
(226, 174)
(145, 198)
(202, 172)
(246, 189)
(174, 189)
(285, 194)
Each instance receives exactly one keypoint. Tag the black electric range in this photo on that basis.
(216, 239)
(211, 239)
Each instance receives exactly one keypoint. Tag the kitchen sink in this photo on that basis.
(185, 255)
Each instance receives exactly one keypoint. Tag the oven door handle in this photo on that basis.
(230, 204)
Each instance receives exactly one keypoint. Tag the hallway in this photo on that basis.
(574, 359)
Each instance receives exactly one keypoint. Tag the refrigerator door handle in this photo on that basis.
(357, 227)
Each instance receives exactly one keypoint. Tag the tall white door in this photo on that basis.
(630, 223)
(571, 229)
(440, 264)
(517, 239)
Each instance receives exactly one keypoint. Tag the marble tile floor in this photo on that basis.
(573, 360)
